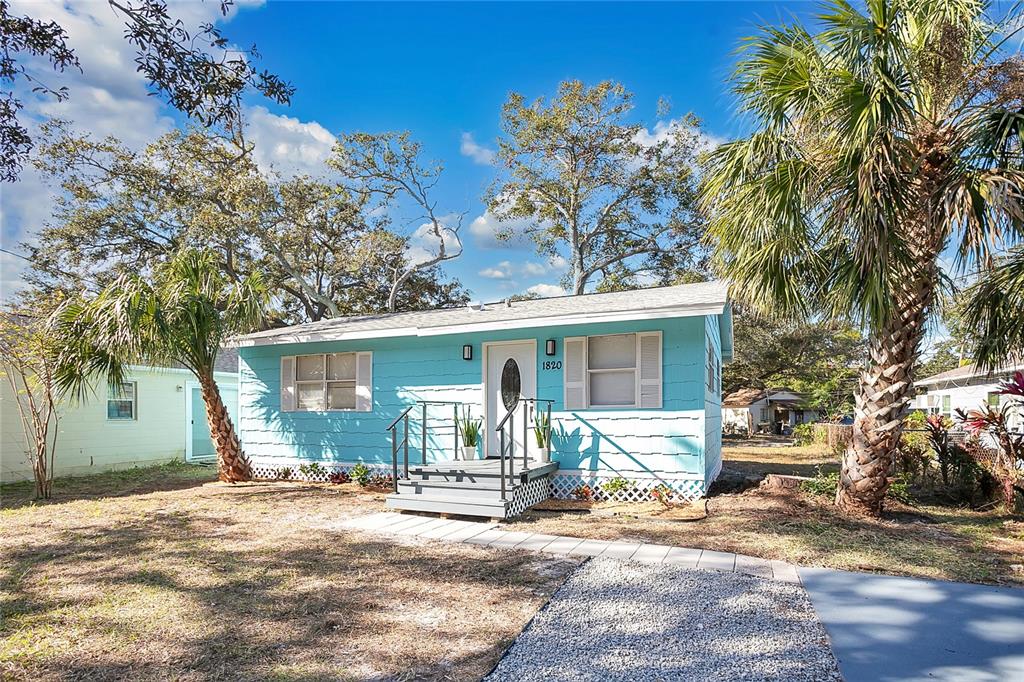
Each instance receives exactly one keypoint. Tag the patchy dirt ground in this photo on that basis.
(200, 581)
(925, 541)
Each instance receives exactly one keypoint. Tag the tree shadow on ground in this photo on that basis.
(234, 587)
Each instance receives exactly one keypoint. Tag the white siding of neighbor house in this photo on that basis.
(965, 398)
(87, 442)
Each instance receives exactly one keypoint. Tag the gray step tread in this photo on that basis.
(446, 505)
(477, 484)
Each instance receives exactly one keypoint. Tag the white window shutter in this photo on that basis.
(364, 382)
(287, 383)
(575, 373)
(650, 369)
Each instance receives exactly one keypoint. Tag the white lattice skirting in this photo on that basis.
(534, 492)
(567, 485)
(310, 471)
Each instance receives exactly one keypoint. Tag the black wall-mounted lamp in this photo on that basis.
(549, 347)
(467, 352)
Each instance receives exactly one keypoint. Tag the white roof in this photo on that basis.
(685, 300)
(968, 372)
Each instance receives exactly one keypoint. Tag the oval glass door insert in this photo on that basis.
(511, 383)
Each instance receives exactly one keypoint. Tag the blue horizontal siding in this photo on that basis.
(666, 440)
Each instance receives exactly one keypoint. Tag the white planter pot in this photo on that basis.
(468, 452)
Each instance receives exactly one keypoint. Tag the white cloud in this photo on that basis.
(664, 130)
(423, 244)
(533, 269)
(546, 290)
(485, 228)
(506, 269)
(287, 145)
(475, 151)
(558, 263)
(110, 97)
(502, 270)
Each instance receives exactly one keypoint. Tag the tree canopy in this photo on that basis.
(198, 71)
(320, 247)
(618, 200)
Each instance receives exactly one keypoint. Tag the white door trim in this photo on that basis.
(189, 385)
(484, 347)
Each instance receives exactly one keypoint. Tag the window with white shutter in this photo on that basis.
(288, 383)
(650, 369)
(575, 378)
(327, 382)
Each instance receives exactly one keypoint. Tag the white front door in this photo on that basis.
(505, 361)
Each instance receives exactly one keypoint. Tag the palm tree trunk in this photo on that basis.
(881, 401)
(231, 461)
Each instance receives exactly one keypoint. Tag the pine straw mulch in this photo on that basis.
(256, 581)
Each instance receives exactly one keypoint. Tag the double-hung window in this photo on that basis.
(613, 371)
(326, 381)
(122, 401)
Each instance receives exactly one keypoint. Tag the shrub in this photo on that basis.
(361, 474)
(583, 492)
(283, 473)
(616, 485)
(338, 477)
(381, 481)
(822, 483)
(804, 434)
(662, 493)
(312, 471)
(899, 490)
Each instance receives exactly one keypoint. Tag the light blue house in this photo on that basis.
(632, 382)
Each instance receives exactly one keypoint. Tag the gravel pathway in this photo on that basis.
(615, 620)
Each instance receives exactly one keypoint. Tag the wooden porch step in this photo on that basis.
(447, 505)
(486, 490)
(471, 488)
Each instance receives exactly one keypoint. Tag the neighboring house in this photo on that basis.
(158, 416)
(755, 410)
(964, 388)
(634, 380)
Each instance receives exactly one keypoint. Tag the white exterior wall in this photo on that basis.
(87, 442)
(736, 418)
(964, 398)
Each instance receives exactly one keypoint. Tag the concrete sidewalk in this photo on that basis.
(889, 628)
(490, 535)
(882, 628)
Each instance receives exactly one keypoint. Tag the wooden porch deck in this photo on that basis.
(473, 488)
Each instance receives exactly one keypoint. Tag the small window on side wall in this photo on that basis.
(122, 402)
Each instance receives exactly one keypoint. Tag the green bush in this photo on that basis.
(312, 470)
(804, 434)
(821, 484)
(616, 485)
(361, 474)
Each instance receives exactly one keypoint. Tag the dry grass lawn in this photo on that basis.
(925, 541)
(199, 580)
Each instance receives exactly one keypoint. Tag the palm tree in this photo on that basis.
(879, 142)
(995, 311)
(182, 316)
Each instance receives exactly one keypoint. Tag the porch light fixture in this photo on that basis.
(467, 352)
(549, 347)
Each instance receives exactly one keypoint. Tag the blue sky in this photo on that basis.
(441, 71)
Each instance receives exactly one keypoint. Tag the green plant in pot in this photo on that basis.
(542, 432)
(470, 429)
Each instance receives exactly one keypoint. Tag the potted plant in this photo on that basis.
(542, 432)
(470, 429)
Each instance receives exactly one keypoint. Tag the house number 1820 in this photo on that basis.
(552, 364)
